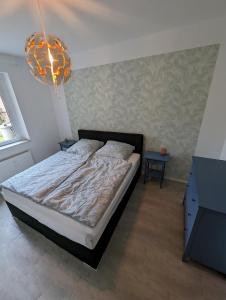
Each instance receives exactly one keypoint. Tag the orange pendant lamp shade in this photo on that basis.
(48, 59)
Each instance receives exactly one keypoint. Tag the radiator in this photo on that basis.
(15, 164)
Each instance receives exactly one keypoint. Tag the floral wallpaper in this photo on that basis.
(161, 96)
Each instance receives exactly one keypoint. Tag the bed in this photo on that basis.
(87, 244)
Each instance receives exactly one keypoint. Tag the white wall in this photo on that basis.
(37, 109)
(223, 152)
(213, 130)
(198, 35)
(60, 108)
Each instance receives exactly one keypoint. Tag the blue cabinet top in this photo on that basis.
(156, 156)
(210, 178)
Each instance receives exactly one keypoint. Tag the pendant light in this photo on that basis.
(47, 56)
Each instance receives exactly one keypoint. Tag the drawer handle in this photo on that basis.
(193, 199)
(189, 214)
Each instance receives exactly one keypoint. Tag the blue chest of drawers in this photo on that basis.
(205, 214)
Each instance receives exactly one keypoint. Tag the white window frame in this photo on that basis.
(12, 108)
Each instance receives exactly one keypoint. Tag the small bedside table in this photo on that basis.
(66, 144)
(152, 158)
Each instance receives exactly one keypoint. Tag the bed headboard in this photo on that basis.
(134, 139)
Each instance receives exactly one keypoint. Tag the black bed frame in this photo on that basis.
(90, 257)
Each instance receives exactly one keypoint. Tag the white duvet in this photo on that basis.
(86, 194)
(79, 188)
(39, 180)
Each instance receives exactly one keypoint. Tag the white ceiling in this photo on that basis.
(87, 24)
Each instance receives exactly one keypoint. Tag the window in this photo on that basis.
(7, 132)
(12, 126)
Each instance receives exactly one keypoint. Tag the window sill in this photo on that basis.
(14, 144)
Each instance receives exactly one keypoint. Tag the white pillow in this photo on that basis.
(116, 149)
(85, 146)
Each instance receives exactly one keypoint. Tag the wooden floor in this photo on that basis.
(142, 261)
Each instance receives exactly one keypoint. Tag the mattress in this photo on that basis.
(66, 226)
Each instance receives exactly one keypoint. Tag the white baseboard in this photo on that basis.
(171, 178)
(176, 179)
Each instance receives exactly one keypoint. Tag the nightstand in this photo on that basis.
(66, 144)
(154, 165)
